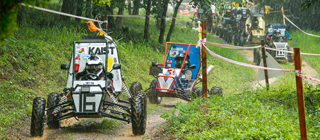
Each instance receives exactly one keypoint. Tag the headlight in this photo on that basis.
(188, 74)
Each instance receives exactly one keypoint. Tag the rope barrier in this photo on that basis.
(244, 64)
(307, 77)
(231, 46)
(301, 29)
(61, 13)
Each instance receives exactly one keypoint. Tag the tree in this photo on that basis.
(68, 7)
(163, 20)
(177, 4)
(308, 3)
(136, 6)
(129, 7)
(8, 13)
(79, 8)
(119, 20)
(88, 8)
(146, 26)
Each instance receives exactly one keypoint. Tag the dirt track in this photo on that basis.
(71, 129)
(124, 132)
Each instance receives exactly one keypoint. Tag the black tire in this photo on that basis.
(53, 100)
(152, 95)
(216, 90)
(135, 88)
(196, 92)
(235, 40)
(290, 56)
(256, 56)
(241, 40)
(189, 24)
(221, 33)
(37, 119)
(139, 114)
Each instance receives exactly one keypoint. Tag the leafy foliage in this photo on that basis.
(8, 13)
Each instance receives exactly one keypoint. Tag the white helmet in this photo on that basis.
(94, 65)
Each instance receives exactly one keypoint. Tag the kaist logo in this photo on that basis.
(100, 50)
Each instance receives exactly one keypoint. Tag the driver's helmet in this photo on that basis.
(179, 60)
(277, 33)
(94, 65)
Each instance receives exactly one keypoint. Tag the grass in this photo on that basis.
(254, 113)
(30, 61)
(307, 44)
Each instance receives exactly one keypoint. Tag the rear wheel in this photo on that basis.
(235, 40)
(53, 100)
(153, 96)
(139, 113)
(37, 119)
(135, 88)
(196, 92)
(216, 91)
(256, 56)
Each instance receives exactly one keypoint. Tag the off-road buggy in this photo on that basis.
(203, 14)
(178, 75)
(282, 44)
(86, 98)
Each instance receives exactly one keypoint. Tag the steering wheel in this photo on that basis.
(88, 74)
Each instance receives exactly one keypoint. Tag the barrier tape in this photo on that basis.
(307, 77)
(301, 29)
(244, 64)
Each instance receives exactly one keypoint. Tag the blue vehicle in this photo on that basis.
(177, 76)
(277, 37)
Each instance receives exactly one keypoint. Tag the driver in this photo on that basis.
(93, 70)
(255, 23)
(277, 37)
(179, 61)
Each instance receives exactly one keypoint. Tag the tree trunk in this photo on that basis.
(129, 7)
(173, 23)
(88, 8)
(136, 6)
(163, 21)
(110, 18)
(68, 7)
(119, 20)
(21, 17)
(79, 8)
(146, 25)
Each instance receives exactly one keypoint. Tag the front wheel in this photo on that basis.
(290, 55)
(153, 96)
(135, 88)
(53, 100)
(139, 113)
(37, 119)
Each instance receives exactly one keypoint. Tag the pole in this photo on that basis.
(302, 115)
(204, 61)
(265, 64)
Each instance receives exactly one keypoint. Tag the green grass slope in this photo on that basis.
(30, 61)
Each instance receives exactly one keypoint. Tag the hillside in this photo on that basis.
(30, 61)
